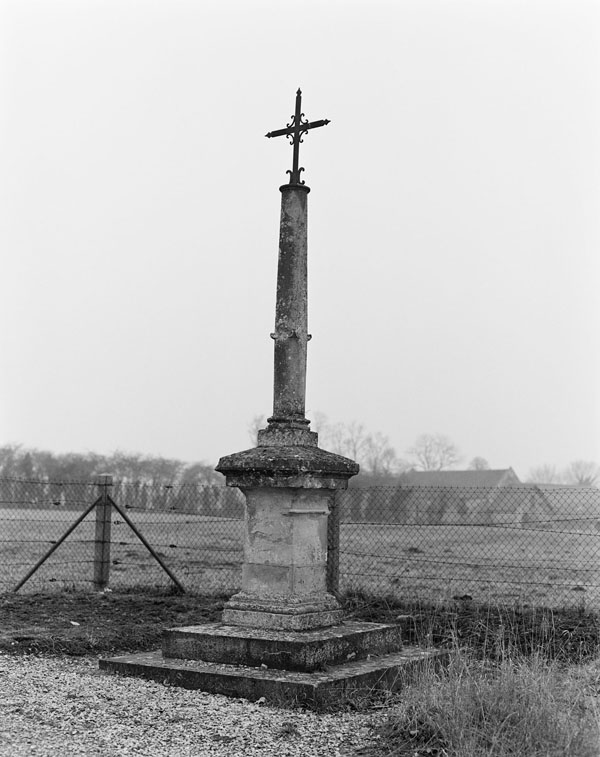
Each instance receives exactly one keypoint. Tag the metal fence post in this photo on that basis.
(102, 538)
(333, 546)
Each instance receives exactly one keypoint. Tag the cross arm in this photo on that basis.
(303, 127)
(280, 132)
(314, 124)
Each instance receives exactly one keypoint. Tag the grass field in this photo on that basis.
(538, 566)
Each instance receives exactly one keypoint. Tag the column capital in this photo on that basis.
(296, 467)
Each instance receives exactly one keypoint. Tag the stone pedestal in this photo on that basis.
(289, 491)
(282, 637)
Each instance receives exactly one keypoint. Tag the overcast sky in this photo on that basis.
(453, 221)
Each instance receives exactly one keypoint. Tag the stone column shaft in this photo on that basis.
(291, 315)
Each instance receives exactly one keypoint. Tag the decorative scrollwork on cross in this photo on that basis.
(295, 132)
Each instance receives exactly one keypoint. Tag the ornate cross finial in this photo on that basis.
(294, 132)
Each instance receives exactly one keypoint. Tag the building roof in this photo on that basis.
(480, 478)
(582, 501)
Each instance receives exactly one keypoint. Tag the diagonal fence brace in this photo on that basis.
(57, 544)
(146, 544)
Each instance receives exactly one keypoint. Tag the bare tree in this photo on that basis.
(379, 457)
(372, 451)
(582, 473)
(544, 474)
(479, 463)
(352, 439)
(434, 452)
(348, 439)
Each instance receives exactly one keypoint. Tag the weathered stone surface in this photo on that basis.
(282, 621)
(330, 689)
(289, 492)
(285, 558)
(308, 651)
(291, 313)
(288, 580)
(283, 612)
(285, 435)
(283, 466)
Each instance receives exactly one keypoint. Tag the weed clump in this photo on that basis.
(527, 706)
(517, 681)
(490, 632)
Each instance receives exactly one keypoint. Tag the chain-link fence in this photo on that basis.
(194, 531)
(529, 544)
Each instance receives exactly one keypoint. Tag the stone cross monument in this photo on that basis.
(287, 479)
(282, 636)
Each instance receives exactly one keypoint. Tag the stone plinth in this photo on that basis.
(289, 491)
(320, 690)
(307, 651)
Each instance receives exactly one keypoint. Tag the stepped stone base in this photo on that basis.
(327, 690)
(321, 668)
(307, 651)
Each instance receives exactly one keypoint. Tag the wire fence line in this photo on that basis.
(531, 544)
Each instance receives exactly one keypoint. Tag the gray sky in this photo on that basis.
(453, 221)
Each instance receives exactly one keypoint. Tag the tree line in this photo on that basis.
(20, 462)
(378, 460)
(577, 473)
(373, 451)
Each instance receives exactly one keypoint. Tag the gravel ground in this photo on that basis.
(53, 706)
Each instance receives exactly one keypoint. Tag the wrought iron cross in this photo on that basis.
(294, 131)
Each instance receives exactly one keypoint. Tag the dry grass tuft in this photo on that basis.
(527, 706)
(494, 632)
